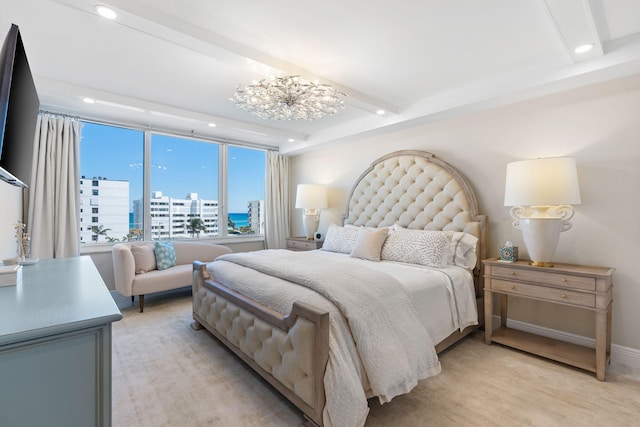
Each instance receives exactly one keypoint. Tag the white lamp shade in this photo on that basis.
(311, 196)
(542, 182)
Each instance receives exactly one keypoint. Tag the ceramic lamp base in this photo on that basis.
(541, 232)
(310, 223)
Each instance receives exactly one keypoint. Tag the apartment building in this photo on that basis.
(170, 216)
(104, 209)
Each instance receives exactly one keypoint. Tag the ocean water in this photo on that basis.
(239, 219)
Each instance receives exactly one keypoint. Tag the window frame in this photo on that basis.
(223, 179)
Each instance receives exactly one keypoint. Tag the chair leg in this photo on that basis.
(141, 299)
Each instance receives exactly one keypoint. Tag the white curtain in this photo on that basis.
(277, 201)
(53, 194)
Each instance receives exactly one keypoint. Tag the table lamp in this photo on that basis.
(311, 198)
(541, 192)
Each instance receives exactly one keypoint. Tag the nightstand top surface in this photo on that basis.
(557, 267)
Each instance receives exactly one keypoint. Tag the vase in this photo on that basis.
(25, 247)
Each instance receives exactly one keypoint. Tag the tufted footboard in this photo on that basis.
(290, 352)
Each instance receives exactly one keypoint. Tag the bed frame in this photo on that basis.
(413, 189)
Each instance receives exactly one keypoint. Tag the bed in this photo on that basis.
(390, 303)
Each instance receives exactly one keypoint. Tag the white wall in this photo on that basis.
(10, 214)
(598, 125)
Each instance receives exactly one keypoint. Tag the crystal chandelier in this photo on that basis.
(289, 98)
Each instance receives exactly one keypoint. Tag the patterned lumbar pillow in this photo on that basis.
(430, 248)
(340, 239)
(165, 255)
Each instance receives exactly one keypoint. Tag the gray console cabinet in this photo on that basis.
(55, 346)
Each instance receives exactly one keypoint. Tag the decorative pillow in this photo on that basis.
(369, 243)
(340, 239)
(165, 255)
(463, 247)
(144, 257)
(420, 247)
(463, 250)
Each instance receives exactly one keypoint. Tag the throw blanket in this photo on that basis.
(394, 347)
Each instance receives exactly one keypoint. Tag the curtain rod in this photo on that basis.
(52, 113)
(170, 131)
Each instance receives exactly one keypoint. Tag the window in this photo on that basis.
(246, 172)
(111, 158)
(184, 197)
(184, 177)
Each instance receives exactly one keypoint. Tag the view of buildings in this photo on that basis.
(105, 215)
(256, 216)
(104, 210)
(170, 217)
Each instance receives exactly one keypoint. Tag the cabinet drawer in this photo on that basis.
(301, 245)
(545, 293)
(546, 278)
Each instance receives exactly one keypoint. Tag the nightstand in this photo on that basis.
(585, 287)
(302, 244)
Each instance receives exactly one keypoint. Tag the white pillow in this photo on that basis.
(144, 257)
(463, 250)
(340, 239)
(430, 248)
(369, 243)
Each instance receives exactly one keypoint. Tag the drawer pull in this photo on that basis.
(513, 287)
(513, 273)
(564, 280)
(564, 295)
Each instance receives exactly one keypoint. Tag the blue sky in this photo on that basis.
(178, 166)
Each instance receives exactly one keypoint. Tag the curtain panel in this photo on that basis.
(277, 201)
(53, 208)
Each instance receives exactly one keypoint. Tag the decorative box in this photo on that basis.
(10, 275)
(509, 253)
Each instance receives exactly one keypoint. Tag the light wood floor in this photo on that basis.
(166, 374)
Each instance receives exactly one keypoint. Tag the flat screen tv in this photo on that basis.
(19, 107)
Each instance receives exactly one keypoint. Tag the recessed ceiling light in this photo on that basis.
(380, 112)
(584, 48)
(291, 140)
(212, 125)
(88, 100)
(106, 12)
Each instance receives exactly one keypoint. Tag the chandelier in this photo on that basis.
(288, 98)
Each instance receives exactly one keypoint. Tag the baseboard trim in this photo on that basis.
(627, 357)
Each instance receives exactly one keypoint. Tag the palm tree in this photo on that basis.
(246, 229)
(134, 234)
(99, 230)
(195, 226)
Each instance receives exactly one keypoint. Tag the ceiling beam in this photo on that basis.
(575, 25)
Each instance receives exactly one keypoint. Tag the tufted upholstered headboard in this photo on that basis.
(416, 190)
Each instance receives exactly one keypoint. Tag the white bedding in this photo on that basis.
(345, 377)
(444, 297)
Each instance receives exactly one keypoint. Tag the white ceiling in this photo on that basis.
(174, 64)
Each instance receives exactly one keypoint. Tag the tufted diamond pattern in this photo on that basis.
(288, 356)
(412, 192)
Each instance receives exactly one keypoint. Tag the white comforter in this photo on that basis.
(365, 344)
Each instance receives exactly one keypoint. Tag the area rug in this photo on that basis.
(167, 374)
